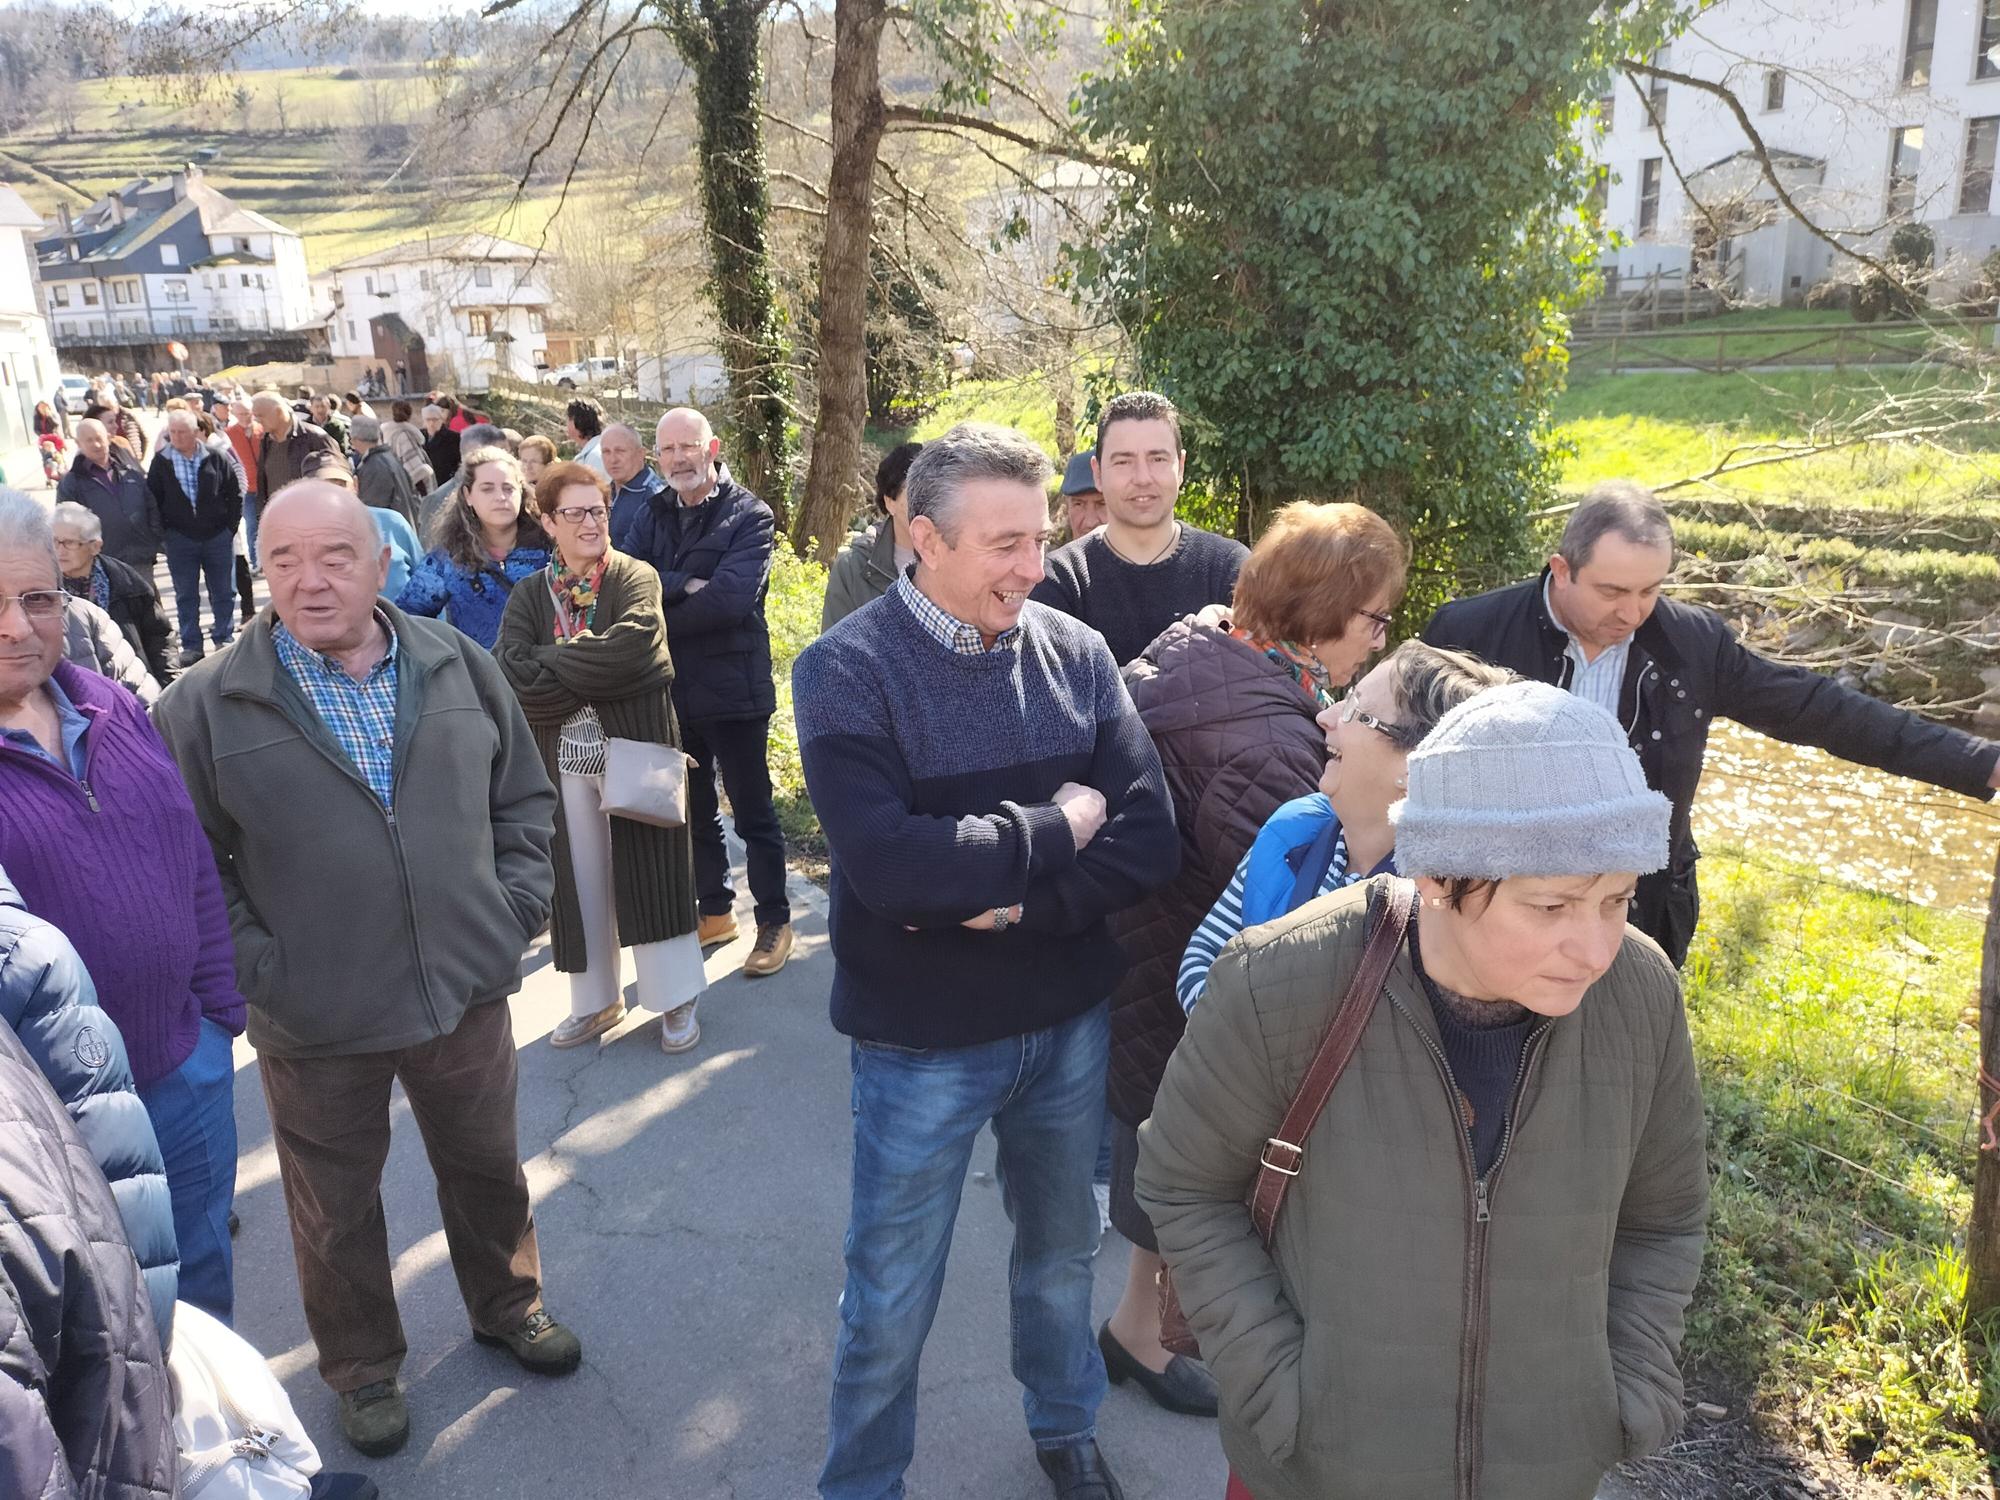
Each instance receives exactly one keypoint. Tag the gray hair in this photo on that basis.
(182, 417)
(1427, 683)
(24, 527)
(82, 517)
(1618, 505)
(431, 409)
(482, 435)
(970, 451)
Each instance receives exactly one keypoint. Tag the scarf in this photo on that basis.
(1300, 665)
(100, 584)
(575, 596)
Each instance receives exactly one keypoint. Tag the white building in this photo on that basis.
(27, 357)
(1874, 112)
(171, 259)
(457, 309)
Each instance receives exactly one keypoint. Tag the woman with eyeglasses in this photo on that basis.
(1230, 697)
(584, 643)
(485, 541)
(1341, 834)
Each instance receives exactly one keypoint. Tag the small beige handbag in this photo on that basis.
(646, 782)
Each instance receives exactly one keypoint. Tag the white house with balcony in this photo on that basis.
(452, 309)
(28, 367)
(1874, 113)
(166, 260)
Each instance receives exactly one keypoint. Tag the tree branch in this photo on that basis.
(922, 117)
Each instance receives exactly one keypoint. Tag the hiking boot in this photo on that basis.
(679, 1030)
(375, 1418)
(574, 1031)
(540, 1344)
(774, 946)
(718, 929)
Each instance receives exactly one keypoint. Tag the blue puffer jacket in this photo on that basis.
(47, 999)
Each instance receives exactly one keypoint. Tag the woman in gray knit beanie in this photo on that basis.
(1478, 1281)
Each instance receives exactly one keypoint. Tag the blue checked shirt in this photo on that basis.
(950, 632)
(362, 715)
(188, 470)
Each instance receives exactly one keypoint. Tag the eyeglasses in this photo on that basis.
(576, 515)
(1352, 712)
(36, 604)
(1382, 621)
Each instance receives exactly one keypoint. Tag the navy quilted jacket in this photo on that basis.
(1237, 740)
(48, 1001)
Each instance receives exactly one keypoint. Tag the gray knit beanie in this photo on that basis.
(1528, 779)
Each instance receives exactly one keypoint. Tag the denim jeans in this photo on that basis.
(251, 506)
(916, 1116)
(190, 563)
(193, 1110)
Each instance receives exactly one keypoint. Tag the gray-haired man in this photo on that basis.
(200, 501)
(990, 797)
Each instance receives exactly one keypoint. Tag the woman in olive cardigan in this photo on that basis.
(584, 644)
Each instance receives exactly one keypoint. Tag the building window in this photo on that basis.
(121, 293)
(1918, 41)
(177, 289)
(1649, 194)
(482, 276)
(1600, 193)
(388, 283)
(243, 245)
(351, 336)
(244, 277)
(424, 280)
(1656, 88)
(1989, 41)
(1607, 109)
(1774, 90)
(371, 285)
(537, 323)
(1975, 189)
(1906, 157)
(60, 294)
(90, 294)
(479, 324)
(170, 255)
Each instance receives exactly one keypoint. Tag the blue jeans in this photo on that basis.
(189, 564)
(194, 1115)
(251, 505)
(916, 1115)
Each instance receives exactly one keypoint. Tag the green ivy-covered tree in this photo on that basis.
(1350, 244)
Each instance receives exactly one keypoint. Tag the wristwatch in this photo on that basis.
(1003, 918)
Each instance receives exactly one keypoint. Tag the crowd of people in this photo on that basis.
(1137, 848)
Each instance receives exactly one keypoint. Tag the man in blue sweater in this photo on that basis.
(990, 796)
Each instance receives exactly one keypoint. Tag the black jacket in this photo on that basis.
(85, 1403)
(720, 644)
(130, 516)
(217, 507)
(1687, 668)
(135, 606)
(382, 481)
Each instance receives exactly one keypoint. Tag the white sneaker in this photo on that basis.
(679, 1030)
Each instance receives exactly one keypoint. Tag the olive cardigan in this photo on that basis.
(619, 667)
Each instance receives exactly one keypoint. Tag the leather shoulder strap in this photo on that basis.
(1284, 1153)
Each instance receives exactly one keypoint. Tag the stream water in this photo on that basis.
(1859, 826)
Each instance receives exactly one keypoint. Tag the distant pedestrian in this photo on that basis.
(290, 448)
(246, 438)
(1489, 1238)
(105, 481)
(1143, 569)
(633, 480)
(584, 644)
(873, 558)
(488, 540)
(583, 422)
(97, 831)
(990, 888)
(363, 755)
(405, 439)
(379, 477)
(536, 454)
(200, 506)
(326, 413)
(352, 406)
(1082, 500)
(114, 587)
(711, 540)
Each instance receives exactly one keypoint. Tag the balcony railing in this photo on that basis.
(125, 328)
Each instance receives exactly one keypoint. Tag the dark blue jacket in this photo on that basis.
(48, 1001)
(717, 636)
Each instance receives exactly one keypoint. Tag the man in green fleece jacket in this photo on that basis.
(344, 749)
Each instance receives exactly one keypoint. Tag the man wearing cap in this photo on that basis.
(1083, 501)
(1595, 623)
(379, 476)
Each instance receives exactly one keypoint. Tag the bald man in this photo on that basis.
(622, 453)
(200, 501)
(382, 832)
(711, 540)
(105, 481)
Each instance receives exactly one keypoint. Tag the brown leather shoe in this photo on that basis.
(718, 929)
(774, 946)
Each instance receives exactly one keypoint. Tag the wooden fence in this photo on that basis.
(1721, 351)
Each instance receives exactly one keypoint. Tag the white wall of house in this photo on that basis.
(28, 366)
(1891, 96)
(457, 305)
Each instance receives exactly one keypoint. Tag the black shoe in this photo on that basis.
(1079, 1472)
(235, 1224)
(325, 1486)
(1184, 1386)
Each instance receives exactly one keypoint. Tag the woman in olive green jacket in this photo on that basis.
(584, 644)
(1478, 1280)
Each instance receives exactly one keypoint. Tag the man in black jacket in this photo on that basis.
(106, 482)
(711, 539)
(201, 505)
(88, 572)
(1595, 623)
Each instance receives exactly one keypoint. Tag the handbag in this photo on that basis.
(1284, 1154)
(646, 782)
(238, 1437)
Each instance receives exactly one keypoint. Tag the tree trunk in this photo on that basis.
(834, 476)
(1982, 1235)
(719, 41)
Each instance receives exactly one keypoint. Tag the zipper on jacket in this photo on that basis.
(89, 796)
(63, 773)
(1472, 1346)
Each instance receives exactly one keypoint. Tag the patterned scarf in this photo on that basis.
(100, 584)
(575, 596)
(1300, 664)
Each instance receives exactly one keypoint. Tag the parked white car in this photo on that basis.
(75, 391)
(595, 371)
